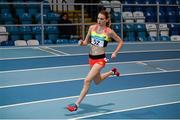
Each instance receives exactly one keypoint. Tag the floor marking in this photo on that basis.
(72, 66)
(158, 68)
(48, 51)
(89, 95)
(76, 79)
(143, 51)
(125, 110)
(57, 51)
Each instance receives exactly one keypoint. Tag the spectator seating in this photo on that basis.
(150, 14)
(26, 32)
(7, 18)
(52, 33)
(174, 29)
(164, 32)
(117, 29)
(14, 33)
(129, 32)
(116, 5)
(128, 17)
(32, 42)
(162, 15)
(53, 17)
(141, 32)
(175, 38)
(33, 9)
(25, 18)
(38, 18)
(152, 31)
(37, 32)
(20, 43)
(106, 5)
(139, 16)
(171, 14)
(116, 11)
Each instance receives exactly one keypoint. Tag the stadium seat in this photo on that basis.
(37, 31)
(151, 38)
(178, 14)
(128, 17)
(171, 15)
(7, 43)
(4, 8)
(116, 17)
(162, 15)
(19, 9)
(33, 9)
(177, 2)
(48, 41)
(20, 43)
(116, 5)
(38, 18)
(139, 17)
(46, 7)
(53, 17)
(7, 18)
(26, 32)
(129, 32)
(117, 29)
(52, 33)
(3, 34)
(150, 16)
(152, 31)
(150, 13)
(14, 32)
(164, 38)
(175, 38)
(25, 18)
(164, 30)
(62, 41)
(106, 5)
(32, 42)
(141, 32)
(174, 29)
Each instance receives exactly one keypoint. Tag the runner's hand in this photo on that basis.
(80, 42)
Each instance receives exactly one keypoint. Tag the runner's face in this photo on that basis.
(101, 20)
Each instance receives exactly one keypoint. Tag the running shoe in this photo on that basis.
(72, 107)
(115, 72)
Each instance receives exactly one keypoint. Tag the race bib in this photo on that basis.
(97, 42)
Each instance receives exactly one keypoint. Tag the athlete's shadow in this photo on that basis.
(87, 108)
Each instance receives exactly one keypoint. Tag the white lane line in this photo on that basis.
(89, 95)
(58, 51)
(125, 110)
(142, 63)
(77, 79)
(157, 68)
(143, 51)
(72, 66)
(48, 51)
